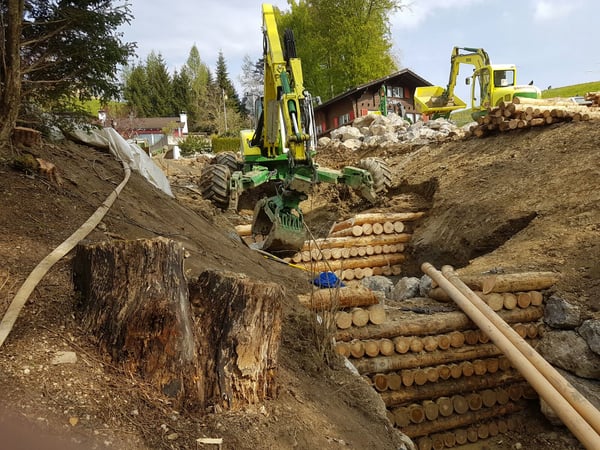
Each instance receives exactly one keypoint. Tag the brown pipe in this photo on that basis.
(578, 401)
(567, 413)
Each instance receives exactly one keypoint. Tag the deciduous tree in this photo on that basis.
(342, 43)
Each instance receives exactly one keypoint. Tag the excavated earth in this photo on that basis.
(523, 200)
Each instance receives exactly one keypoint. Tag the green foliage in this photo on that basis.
(69, 51)
(160, 87)
(137, 91)
(342, 43)
(572, 91)
(224, 144)
(195, 144)
(226, 86)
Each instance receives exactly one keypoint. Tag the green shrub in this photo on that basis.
(195, 144)
(224, 144)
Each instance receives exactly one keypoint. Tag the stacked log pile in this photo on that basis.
(526, 113)
(442, 380)
(362, 246)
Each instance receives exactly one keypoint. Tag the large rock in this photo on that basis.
(590, 389)
(590, 331)
(407, 287)
(364, 121)
(569, 351)
(379, 283)
(351, 144)
(561, 314)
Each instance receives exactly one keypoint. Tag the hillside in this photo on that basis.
(525, 200)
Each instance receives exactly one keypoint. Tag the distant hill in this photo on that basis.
(572, 91)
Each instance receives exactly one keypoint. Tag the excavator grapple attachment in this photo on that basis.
(281, 224)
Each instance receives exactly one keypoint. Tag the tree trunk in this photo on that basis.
(135, 303)
(238, 334)
(10, 71)
(222, 349)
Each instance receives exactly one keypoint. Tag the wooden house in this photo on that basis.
(398, 89)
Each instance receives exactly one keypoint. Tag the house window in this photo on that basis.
(344, 119)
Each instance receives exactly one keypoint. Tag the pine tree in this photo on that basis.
(137, 91)
(182, 92)
(224, 83)
(160, 87)
(67, 50)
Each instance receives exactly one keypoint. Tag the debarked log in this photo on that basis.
(404, 324)
(342, 242)
(371, 218)
(510, 282)
(450, 387)
(411, 360)
(353, 263)
(460, 420)
(338, 298)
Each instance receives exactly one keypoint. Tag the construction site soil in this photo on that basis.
(517, 201)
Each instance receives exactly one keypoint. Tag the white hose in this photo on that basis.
(10, 317)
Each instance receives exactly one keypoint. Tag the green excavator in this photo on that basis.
(281, 151)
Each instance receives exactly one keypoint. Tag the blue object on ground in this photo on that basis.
(328, 280)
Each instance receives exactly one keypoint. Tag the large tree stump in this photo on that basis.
(135, 303)
(238, 329)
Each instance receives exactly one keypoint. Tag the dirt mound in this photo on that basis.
(524, 200)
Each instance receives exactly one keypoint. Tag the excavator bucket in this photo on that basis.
(281, 224)
(431, 100)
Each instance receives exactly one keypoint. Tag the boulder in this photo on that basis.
(569, 351)
(407, 287)
(351, 144)
(561, 314)
(378, 283)
(590, 389)
(364, 121)
(323, 142)
(590, 331)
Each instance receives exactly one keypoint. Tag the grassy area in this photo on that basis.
(573, 90)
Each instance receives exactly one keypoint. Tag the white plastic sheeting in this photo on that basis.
(132, 154)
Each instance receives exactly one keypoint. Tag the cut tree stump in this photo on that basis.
(136, 303)
(238, 329)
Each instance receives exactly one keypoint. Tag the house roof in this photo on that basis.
(154, 123)
(359, 90)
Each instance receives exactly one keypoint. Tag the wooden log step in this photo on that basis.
(411, 324)
(448, 388)
(337, 298)
(370, 218)
(411, 361)
(510, 282)
(348, 242)
(462, 420)
(353, 263)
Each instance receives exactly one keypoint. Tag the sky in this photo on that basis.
(552, 42)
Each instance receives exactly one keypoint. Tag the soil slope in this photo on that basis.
(525, 200)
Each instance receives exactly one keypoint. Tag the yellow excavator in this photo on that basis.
(490, 85)
(280, 153)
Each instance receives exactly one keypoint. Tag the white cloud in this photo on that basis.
(551, 10)
(418, 11)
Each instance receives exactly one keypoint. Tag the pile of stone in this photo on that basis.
(375, 130)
